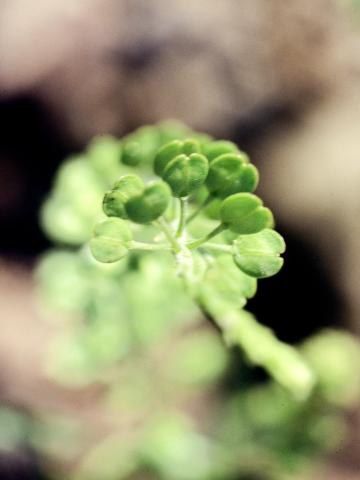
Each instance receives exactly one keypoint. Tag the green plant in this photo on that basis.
(219, 259)
(180, 237)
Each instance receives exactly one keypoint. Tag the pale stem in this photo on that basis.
(148, 246)
(196, 243)
(182, 217)
(198, 210)
(217, 247)
(165, 228)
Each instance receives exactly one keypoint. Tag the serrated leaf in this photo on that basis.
(258, 255)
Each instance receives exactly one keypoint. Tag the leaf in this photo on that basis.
(150, 205)
(258, 255)
(111, 240)
(186, 173)
(244, 214)
(225, 286)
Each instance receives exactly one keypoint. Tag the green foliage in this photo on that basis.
(181, 213)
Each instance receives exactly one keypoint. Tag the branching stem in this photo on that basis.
(165, 228)
(196, 243)
(199, 208)
(148, 246)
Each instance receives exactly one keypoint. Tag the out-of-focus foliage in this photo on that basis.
(131, 327)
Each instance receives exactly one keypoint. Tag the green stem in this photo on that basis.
(196, 243)
(182, 218)
(148, 246)
(198, 210)
(217, 247)
(165, 228)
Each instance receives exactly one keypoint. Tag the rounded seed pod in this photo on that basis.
(150, 204)
(213, 150)
(243, 213)
(229, 174)
(111, 240)
(140, 147)
(186, 173)
(126, 187)
(166, 154)
(258, 255)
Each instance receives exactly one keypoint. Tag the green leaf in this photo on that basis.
(213, 150)
(229, 174)
(244, 214)
(185, 173)
(226, 287)
(258, 255)
(111, 240)
(150, 205)
(125, 188)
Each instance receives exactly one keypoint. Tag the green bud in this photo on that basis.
(213, 150)
(149, 205)
(258, 255)
(185, 173)
(229, 174)
(126, 187)
(166, 154)
(243, 213)
(111, 240)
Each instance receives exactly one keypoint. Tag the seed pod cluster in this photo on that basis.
(213, 177)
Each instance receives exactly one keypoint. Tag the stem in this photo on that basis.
(165, 228)
(196, 243)
(198, 210)
(217, 247)
(148, 246)
(182, 219)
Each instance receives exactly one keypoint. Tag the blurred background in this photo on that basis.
(281, 79)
